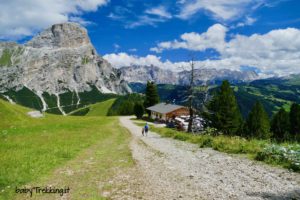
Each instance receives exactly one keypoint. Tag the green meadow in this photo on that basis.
(97, 109)
(32, 149)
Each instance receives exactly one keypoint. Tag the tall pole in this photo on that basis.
(190, 98)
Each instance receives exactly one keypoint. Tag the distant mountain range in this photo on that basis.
(142, 74)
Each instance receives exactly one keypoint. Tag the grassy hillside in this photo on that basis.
(273, 93)
(123, 105)
(31, 149)
(68, 100)
(97, 109)
(12, 114)
(101, 109)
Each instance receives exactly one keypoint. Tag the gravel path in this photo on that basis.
(170, 169)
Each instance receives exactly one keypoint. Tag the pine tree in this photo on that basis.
(126, 108)
(224, 111)
(138, 110)
(280, 125)
(295, 121)
(258, 124)
(152, 96)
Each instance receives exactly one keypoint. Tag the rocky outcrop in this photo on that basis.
(142, 74)
(60, 59)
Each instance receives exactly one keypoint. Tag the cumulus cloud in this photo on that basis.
(224, 10)
(276, 52)
(34, 15)
(213, 38)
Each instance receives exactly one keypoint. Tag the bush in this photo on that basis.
(288, 156)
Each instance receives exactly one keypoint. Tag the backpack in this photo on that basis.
(146, 128)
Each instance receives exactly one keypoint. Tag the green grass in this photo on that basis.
(31, 149)
(9, 114)
(5, 59)
(84, 60)
(235, 145)
(100, 109)
(97, 109)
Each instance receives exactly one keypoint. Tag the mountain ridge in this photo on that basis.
(142, 74)
(60, 59)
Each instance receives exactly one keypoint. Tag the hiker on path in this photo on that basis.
(146, 129)
(143, 131)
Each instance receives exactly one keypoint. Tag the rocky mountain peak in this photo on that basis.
(58, 61)
(68, 35)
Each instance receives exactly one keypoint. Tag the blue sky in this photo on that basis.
(108, 32)
(236, 34)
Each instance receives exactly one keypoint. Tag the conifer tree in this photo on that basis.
(151, 94)
(280, 125)
(258, 124)
(138, 110)
(224, 113)
(295, 121)
(126, 108)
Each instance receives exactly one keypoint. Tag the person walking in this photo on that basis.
(146, 129)
(143, 131)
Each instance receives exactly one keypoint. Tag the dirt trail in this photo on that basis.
(170, 169)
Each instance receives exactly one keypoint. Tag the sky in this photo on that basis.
(259, 35)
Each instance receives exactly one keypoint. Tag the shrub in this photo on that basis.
(288, 156)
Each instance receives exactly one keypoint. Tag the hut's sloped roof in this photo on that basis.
(164, 108)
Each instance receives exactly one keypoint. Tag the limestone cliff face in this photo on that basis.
(58, 59)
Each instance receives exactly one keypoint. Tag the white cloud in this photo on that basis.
(123, 59)
(224, 10)
(247, 22)
(19, 19)
(213, 38)
(150, 16)
(116, 47)
(276, 52)
(143, 21)
(160, 11)
(80, 20)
